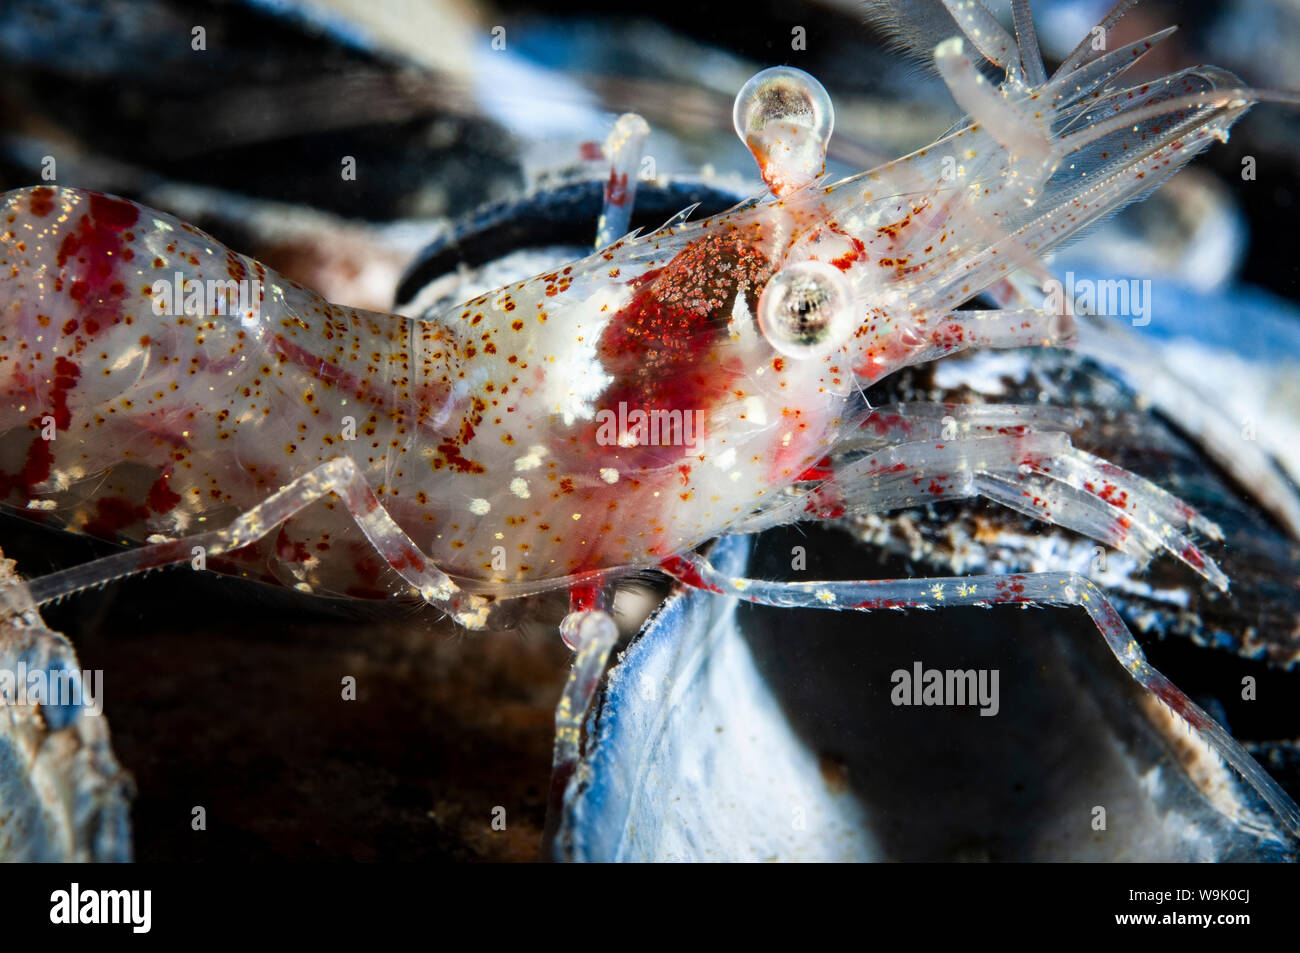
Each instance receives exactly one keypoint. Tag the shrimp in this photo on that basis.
(619, 412)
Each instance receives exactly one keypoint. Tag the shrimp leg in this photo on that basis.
(1111, 343)
(340, 477)
(1031, 60)
(999, 328)
(590, 631)
(1041, 475)
(624, 147)
(1060, 589)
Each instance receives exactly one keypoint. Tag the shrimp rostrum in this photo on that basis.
(617, 413)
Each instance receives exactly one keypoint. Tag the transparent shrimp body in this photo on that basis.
(607, 415)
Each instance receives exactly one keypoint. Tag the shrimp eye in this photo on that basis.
(806, 310)
(785, 117)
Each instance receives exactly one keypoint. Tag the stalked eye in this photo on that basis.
(806, 310)
(784, 116)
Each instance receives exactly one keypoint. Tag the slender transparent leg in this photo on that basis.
(948, 453)
(1031, 60)
(623, 148)
(589, 629)
(339, 477)
(997, 328)
(1061, 589)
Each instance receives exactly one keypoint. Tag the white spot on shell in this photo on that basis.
(609, 474)
(479, 506)
(519, 487)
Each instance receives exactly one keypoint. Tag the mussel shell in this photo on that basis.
(731, 732)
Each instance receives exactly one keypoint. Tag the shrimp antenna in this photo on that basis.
(916, 27)
(911, 27)
(1085, 47)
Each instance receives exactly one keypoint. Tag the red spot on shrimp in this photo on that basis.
(584, 597)
(662, 348)
(66, 374)
(409, 558)
(1114, 496)
(616, 189)
(111, 213)
(449, 455)
(1178, 702)
(235, 267)
(819, 471)
(161, 498)
(882, 604)
(858, 253)
(36, 469)
(685, 572)
(880, 469)
(88, 256)
(42, 201)
(114, 514)
(826, 503)
(884, 424)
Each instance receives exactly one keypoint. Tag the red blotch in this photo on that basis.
(161, 498)
(662, 348)
(584, 597)
(1177, 701)
(40, 459)
(410, 558)
(42, 201)
(115, 214)
(820, 471)
(88, 256)
(616, 189)
(685, 572)
(291, 551)
(858, 253)
(114, 514)
(66, 375)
